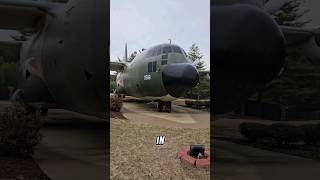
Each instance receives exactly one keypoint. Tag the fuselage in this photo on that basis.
(162, 72)
(64, 61)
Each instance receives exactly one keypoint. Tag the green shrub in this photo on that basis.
(9, 74)
(116, 103)
(113, 85)
(19, 131)
(254, 132)
(188, 103)
(284, 134)
(279, 133)
(197, 103)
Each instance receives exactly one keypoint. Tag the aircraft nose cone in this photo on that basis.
(246, 54)
(178, 78)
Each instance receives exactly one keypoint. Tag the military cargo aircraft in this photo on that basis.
(248, 48)
(65, 49)
(64, 53)
(161, 74)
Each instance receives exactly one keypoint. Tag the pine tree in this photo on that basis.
(195, 55)
(299, 84)
(290, 14)
(202, 90)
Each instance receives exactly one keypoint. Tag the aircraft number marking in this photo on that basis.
(147, 77)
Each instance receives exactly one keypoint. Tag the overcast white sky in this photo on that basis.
(144, 23)
(314, 13)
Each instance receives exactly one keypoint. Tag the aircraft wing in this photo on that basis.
(117, 66)
(204, 74)
(302, 40)
(23, 14)
(296, 36)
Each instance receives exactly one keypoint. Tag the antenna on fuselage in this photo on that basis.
(169, 41)
(126, 53)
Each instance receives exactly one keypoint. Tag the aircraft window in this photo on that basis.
(154, 66)
(184, 53)
(167, 50)
(164, 62)
(149, 53)
(150, 67)
(159, 51)
(165, 56)
(154, 52)
(176, 49)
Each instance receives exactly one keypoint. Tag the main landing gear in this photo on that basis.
(164, 106)
(40, 108)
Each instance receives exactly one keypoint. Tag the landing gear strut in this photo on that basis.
(164, 106)
(18, 97)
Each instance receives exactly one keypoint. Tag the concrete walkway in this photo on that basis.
(73, 147)
(180, 117)
(238, 162)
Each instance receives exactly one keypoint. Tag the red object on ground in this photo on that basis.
(184, 156)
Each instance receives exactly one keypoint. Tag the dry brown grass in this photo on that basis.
(134, 154)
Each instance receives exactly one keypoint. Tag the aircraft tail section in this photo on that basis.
(126, 53)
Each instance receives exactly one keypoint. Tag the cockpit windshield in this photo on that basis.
(176, 49)
(158, 50)
(166, 49)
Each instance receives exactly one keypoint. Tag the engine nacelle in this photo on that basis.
(120, 80)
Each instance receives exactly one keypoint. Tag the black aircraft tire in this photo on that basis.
(160, 107)
(44, 111)
(168, 107)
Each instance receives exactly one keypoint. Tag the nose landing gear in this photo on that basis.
(164, 106)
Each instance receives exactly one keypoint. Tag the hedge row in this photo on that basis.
(116, 103)
(19, 131)
(281, 134)
(197, 103)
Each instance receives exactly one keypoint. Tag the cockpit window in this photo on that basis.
(184, 53)
(159, 51)
(176, 49)
(167, 49)
(154, 52)
(149, 53)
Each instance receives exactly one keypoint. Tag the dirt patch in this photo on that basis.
(20, 169)
(134, 154)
